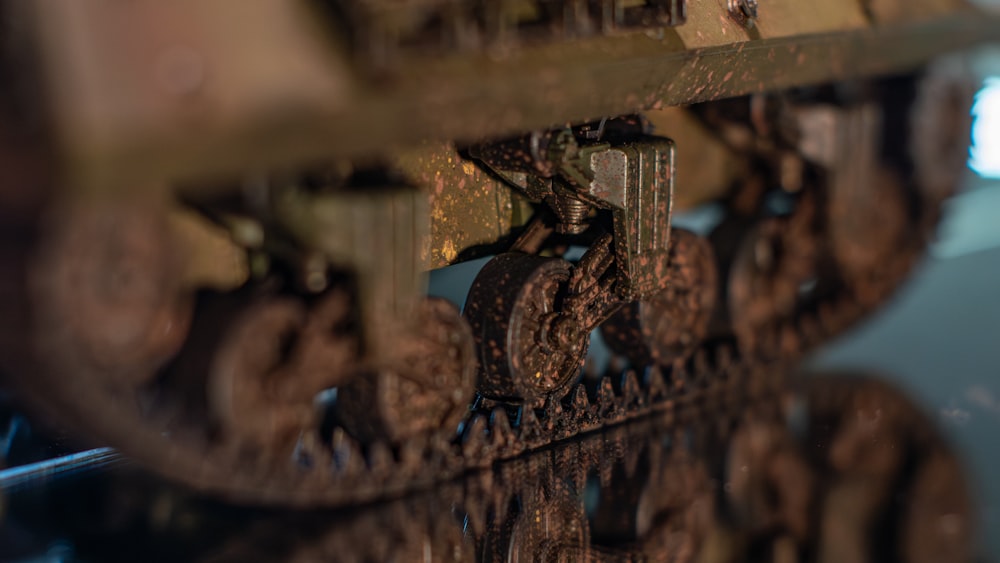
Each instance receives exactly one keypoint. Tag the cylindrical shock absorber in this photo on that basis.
(571, 211)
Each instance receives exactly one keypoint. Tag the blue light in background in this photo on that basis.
(985, 152)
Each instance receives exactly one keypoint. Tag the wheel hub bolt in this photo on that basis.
(561, 332)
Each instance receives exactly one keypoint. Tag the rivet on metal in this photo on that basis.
(743, 11)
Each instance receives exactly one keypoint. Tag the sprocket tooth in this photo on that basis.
(579, 400)
(581, 410)
(347, 456)
(475, 448)
(655, 385)
(552, 409)
(632, 393)
(504, 442)
(555, 420)
(608, 406)
(605, 394)
(530, 429)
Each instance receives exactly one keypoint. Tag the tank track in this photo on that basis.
(344, 471)
(661, 491)
(329, 466)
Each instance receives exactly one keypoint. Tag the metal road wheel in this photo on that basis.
(424, 389)
(510, 308)
(669, 325)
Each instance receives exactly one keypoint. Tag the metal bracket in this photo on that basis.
(632, 175)
(377, 234)
(636, 182)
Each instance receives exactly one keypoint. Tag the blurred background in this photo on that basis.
(940, 337)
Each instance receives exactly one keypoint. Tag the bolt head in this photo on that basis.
(743, 11)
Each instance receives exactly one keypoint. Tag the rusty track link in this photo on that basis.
(343, 471)
(340, 470)
(674, 466)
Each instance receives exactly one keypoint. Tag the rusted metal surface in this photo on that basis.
(468, 207)
(118, 124)
(380, 32)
